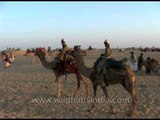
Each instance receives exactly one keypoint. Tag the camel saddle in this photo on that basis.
(110, 63)
(69, 65)
(70, 62)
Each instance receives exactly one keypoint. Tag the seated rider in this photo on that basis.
(107, 61)
(107, 53)
(63, 51)
(61, 60)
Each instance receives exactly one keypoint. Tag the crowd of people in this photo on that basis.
(137, 64)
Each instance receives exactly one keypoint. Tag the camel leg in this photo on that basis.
(132, 92)
(95, 91)
(133, 103)
(59, 86)
(33, 60)
(86, 86)
(78, 84)
(134, 98)
(106, 95)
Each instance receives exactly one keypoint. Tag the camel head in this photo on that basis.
(77, 53)
(84, 53)
(40, 52)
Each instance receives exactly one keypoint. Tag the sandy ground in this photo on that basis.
(30, 91)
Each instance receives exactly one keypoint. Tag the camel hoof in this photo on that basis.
(87, 97)
(112, 110)
(130, 114)
(74, 95)
(89, 111)
(59, 95)
(64, 94)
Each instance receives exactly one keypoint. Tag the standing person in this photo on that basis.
(148, 66)
(140, 62)
(133, 61)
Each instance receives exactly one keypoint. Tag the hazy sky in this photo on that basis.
(124, 24)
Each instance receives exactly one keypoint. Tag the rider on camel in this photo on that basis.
(61, 58)
(105, 62)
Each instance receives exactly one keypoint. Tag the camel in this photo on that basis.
(155, 65)
(62, 71)
(8, 58)
(124, 77)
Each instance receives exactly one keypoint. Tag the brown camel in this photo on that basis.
(62, 71)
(124, 77)
(155, 65)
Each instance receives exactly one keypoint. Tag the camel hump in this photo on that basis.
(68, 55)
(124, 60)
(111, 63)
(115, 64)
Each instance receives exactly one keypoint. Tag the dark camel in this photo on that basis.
(124, 77)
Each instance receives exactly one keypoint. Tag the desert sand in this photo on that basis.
(29, 91)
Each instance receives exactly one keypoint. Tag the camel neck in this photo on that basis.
(44, 62)
(86, 71)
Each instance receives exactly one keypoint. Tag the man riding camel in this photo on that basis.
(65, 48)
(105, 62)
(63, 58)
(107, 53)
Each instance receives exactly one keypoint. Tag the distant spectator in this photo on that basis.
(133, 61)
(140, 61)
(148, 66)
